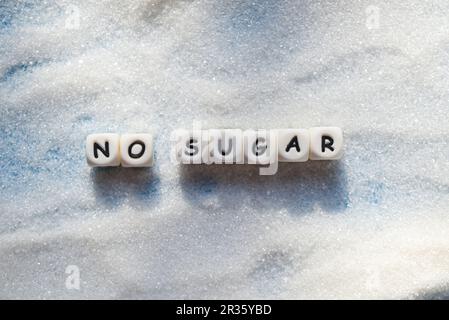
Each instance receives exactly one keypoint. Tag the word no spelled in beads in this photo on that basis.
(111, 150)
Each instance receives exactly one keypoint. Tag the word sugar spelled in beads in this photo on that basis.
(234, 146)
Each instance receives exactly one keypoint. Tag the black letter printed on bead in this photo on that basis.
(259, 150)
(140, 153)
(231, 144)
(327, 142)
(193, 149)
(294, 143)
(104, 151)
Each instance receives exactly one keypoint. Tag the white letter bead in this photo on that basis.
(225, 146)
(260, 146)
(103, 150)
(191, 146)
(326, 143)
(293, 145)
(136, 150)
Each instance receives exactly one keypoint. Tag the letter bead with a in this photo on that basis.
(293, 145)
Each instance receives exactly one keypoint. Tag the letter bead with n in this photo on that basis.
(103, 150)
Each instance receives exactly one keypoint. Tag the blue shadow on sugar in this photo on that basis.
(4, 23)
(296, 187)
(251, 15)
(19, 68)
(439, 292)
(114, 186)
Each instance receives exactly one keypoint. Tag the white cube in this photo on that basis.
(225, 146)
(191, 146)
(326, 143)
(103, 150)
(293, 145)
(136, 150)
(260, 146)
